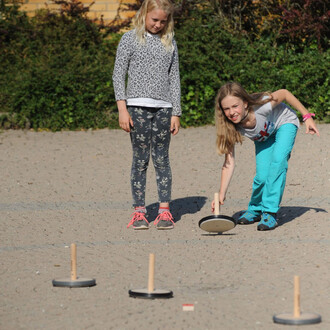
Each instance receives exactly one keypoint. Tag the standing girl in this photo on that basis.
(149, 107)
(272, 125)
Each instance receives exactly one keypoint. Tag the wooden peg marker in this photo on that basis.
(297, 318)
(150, 292)
(74, 281)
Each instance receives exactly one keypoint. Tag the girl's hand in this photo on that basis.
(311, 127)
(221, 202)
(175, 125)
(125, 121)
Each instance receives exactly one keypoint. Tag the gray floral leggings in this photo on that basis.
(151, 132)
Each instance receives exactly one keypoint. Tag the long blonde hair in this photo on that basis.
(227, 133)
(139, 21)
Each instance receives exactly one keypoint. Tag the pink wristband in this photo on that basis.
(308, 115)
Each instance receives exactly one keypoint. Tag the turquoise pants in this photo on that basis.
(272, 158)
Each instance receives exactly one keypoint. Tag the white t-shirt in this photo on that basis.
(148, 102)
(268, 120)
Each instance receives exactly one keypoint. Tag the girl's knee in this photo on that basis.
(260, 179)
(281, 158)
(140, 165)
(161, 161)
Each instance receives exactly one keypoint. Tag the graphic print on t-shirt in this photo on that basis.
(266, 132)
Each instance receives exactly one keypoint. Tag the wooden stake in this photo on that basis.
(216, 204)
(73, 262)
(296, 297)
(150, 292)
(151, 273)
(297, 318)
(73, 281)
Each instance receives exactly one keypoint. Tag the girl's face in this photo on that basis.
(234, 108)
(156, 20)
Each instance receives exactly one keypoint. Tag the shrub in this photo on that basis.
(211, 56)
(305, 21)
(57, 72)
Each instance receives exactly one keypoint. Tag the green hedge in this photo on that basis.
(56, 73)
(56, 70)
(211, 56)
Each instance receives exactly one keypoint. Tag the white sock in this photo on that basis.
(141, 209)
(163, 209)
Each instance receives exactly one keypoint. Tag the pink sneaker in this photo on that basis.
(164, 220)
(138, 221)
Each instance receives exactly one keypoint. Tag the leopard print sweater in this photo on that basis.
(152, 71)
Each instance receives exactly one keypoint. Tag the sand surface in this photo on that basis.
(73, 187)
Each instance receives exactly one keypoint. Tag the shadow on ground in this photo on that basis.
(288, 213)
(180, 206)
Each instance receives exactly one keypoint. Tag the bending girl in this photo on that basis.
(272, 125)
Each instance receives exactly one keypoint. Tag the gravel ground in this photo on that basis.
(65, 187)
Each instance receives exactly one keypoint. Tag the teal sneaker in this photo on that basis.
(268, 222)
(248, 218)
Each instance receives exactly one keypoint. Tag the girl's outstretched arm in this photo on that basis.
(283, 95)
(226, 175)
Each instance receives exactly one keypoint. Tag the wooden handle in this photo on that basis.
(73, 262)
(216, 204)
(296, 297)
(151, 272)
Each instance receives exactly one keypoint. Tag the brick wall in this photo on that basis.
(107, 8)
